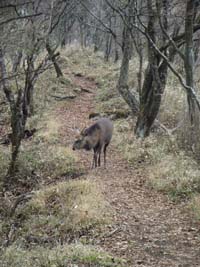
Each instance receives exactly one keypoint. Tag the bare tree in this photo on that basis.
(32, 42)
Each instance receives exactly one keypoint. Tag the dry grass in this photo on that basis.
(52, 162)
(178, 176)
(194, 206)
(64, 209)
(173, 103)
(68, 255)
(136, 150)
(169, 169)
(44, 154)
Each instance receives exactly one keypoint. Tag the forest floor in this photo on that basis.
(148, 228)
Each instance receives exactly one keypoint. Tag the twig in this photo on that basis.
(112, 232)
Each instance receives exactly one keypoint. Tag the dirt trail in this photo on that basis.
(148, 229)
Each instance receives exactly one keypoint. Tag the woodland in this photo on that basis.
(63, 65)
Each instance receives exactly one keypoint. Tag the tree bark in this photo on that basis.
(96, 40)
(18, 118)
(18, 121)
(122, 85)
(108, 47)
(154, 81)
(16, 61)
(189, 56)
(28, 103)
(53, 59)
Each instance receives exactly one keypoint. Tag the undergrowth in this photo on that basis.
(67, 255)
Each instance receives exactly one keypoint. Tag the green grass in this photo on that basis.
(60, 256)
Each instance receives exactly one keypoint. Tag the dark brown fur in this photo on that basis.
(96, 137)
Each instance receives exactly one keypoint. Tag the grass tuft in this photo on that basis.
(64, 208)
(68, 255)
(178, 176)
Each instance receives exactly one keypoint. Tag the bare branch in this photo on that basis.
(166, 33)
(99, 20)
(19, 18)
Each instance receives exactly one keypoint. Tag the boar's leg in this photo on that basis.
(104, 151)
(94, 163)
(99, 159)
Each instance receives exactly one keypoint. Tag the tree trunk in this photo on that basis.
(18, 118)
(116, 53)
(122, 85)
(189, 56)
(81, 34)
(154, 82)
(96, 40)
(108, 47)
(18, 122)
(53, 59)
(152, 90)
(16, 61)
(28, 105)
(139, 75)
